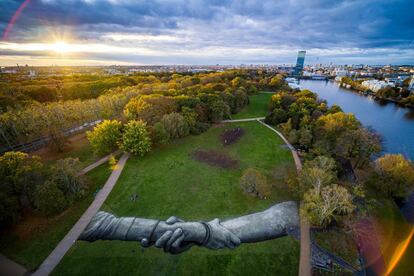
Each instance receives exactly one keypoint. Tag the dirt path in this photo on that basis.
(243, 120)
(65, 244)
(10, 268)
(98, 163)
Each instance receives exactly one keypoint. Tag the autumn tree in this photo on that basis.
(136, 138)
(255, 183)
(329, 203)
(394, 175)
(105, 136)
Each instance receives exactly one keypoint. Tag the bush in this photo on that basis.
(136, 138)
(49, 199)
(200, 127)
(175, 125)
(255, 183)
(65, 175)
(105, 136)
(328, 204)
(394, 175)
(159, 135)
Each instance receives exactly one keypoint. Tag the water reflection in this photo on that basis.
(393, 122)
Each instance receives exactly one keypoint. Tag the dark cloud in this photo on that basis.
(286, 24)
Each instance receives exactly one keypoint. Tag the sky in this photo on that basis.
(140, 32)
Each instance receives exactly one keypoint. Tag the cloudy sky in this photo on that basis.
(90, 32)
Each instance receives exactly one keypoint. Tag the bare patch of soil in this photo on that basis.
(216, 159)
(231, 136)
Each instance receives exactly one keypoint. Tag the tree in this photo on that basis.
(255, 183)
(328, 204)
(149, 108)
(277, 116)
(394, 175)
(358, 145)
(135, 138)
(19, 174)
(305, 136)
(276, 82)
(219, 110)
(315, 174)
(105, 136)
(9, 209)
(65, 173)
(175, 125)
(190, 117)
(49, 199)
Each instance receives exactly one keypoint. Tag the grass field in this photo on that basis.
(258, 107)
(170, 182)
(32, 240)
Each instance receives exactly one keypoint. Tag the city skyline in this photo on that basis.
(92, 32)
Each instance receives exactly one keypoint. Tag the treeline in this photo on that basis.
(212, 96)
(333, 145)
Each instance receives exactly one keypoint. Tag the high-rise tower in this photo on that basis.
(300, 62)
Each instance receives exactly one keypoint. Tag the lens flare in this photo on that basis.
(14, 18)
(399, 252)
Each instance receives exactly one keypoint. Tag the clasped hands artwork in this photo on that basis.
(176, 236)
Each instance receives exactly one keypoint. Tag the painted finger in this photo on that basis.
(163, 239)
(177, 233)
(173, 219)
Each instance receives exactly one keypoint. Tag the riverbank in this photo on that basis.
(368, 93)
(394, 123)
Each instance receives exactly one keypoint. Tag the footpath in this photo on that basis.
(66, 243)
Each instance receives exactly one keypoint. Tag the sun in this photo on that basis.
(60, 47)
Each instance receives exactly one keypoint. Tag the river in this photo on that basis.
(394, 123)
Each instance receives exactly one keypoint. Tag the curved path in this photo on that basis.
(305, 266)
(65, 244)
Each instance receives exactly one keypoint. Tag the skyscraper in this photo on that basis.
(300, 62)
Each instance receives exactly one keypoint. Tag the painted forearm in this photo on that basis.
(105, 226)
(269, 224)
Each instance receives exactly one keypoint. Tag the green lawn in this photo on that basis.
(258, 107)
(32, 240)
(169, 182)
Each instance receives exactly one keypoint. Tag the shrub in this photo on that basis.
(328, 204)
(159, 135)
(49, 199)
(136, 138)
(255, 183)
(105, 136)
(175, 125)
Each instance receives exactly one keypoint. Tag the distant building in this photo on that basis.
(299, 63)
(32, 74)
(375, 85)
